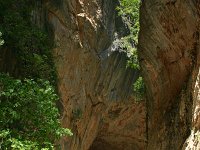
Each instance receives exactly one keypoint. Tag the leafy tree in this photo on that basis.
(31, 45)
(29, 118)
(28, 114)
(129, 11)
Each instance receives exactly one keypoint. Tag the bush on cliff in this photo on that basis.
(129, 11)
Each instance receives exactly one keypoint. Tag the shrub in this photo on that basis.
(28, 114)
(129, 11)
(30, 45)
(139, 88)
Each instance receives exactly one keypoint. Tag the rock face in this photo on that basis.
(93, 81)
(192, 142)
(169, 56)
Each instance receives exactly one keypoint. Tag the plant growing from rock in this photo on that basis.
(129, 11)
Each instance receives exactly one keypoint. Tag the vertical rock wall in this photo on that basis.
(168, 47)
(93, 80)
(95, 84)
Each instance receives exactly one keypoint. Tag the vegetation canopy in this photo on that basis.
(29, 118)
(129, 11)
(30, 44)
(28, 113)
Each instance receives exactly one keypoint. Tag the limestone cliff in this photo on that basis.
(93, 81)
(169, 56)
(95, 85)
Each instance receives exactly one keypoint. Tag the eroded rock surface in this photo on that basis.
(93, 80)
(192, 142)
(169, 47)
(95, 84)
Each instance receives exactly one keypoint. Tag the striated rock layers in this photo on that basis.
(169, 55)
(95, 85)
(93, 81)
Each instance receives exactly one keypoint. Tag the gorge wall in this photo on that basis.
(93, 80)
(95, 84)
(169, 56)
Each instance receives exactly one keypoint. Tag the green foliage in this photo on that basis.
(28, 114)
(129, 11)
(30, 44)
(29, 118)
(1, 40)
(138, 88)
(12, 143)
